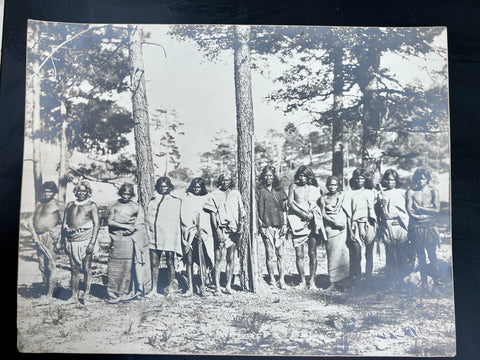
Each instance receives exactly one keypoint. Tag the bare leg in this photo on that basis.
(154, 263)
(312, 255)
(369, 259)
(42, 260)
(52, 282)
(269, 253)
(216, 270)
(422, 262)
(231, 252)
(300, 255)
(355, 250)
(189, 268)
(87, 267)
(75, 282)
(279, 253)
(432, 258)
(51, 276)
(170, 257)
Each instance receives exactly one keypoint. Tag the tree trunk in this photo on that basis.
(245, 128)
(36, 131)
(337, 123)
(63, 168)
(143, 147)
(371, 154)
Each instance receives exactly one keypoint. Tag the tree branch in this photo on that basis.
(66, 42)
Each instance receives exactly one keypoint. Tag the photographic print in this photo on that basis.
(236, 190)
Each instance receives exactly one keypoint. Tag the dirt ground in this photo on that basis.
(370, 320)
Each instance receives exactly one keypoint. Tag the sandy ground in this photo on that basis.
(370, 320)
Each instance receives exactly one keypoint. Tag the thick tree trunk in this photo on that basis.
(245, 128)
(337, 123)
(143, 147)
(371, 154)
(36, 131)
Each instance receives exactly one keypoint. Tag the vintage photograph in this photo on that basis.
(236, 190)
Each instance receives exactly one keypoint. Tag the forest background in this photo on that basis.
(331, 98)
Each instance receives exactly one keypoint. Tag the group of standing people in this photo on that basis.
(204, 228)
(351, 222)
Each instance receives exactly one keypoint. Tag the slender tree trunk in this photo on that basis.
(63, 168)
(245, 128)
(372, 121)
(36, 131)
(143, 147)
(337, 123)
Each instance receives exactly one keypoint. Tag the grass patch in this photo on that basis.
(253, 321)
(160, 338)
(376, 319)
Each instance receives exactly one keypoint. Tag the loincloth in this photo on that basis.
(301, 230)
(363, 232)
(49, 239)
(77, 243)
(397, 236)
(273, 235)
(424, 236)
(231, 238)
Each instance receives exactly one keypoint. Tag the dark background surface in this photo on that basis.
(462, 19)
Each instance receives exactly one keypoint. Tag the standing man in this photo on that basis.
(423, 205)
(80, 231)
(163, 224)
(46, 229)
(305, 222)
(227, 214)
(272, 218)
(393, 227)
(363, 224)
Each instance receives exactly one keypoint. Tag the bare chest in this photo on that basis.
(424, 197)
(78, 215)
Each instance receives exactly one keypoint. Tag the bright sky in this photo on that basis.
(202, 93)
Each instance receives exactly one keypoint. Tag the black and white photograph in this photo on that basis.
(236, 190)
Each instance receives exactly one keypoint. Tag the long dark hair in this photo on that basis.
(364, 173)
(163, 179)
(50, 185)
(197, 181)
(419, 173)
(391, 172)
(276, 182)
(305, 170)
(126, 188)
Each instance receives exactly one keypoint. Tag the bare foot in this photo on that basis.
(86, 299)
(151, 294)
(113, 300)
(188, 293)
(228, 290)
(218, 292)
(74, 299)
(302, 286)
(283, 286)
(331, 288)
